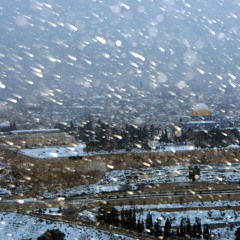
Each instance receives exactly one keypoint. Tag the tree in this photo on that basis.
(206, 232)
(167, 228)
(123, 220)
(139, 229)
(101, 216)
(164, 136)
(189, 227)
(183, 227)
(194, 173)
(128, 215)
(197, 228)
(149, 223)
(113, 217)
(108, 215)
(13, 126)
(140, 225)
(134, 219)
(54, 234)
(152, 130)
(237, 234)
(72, 127)
(157, 228)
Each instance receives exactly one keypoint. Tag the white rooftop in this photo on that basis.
(35, 131)
(201, 122)
(200, 106)
(55, 152)
(78, 150)
(4, 124)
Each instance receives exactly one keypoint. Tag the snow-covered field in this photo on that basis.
(118, 180)
(78, 150)
(25, 227)
(55, 152)
(20, 227)
(212, 216)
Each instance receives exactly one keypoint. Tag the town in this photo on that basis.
(119, 119)
(149, 179)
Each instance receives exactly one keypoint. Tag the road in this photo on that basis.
(88, 201)
(79, 203)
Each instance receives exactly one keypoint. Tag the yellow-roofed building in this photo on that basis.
(201, 119)
(201, 112)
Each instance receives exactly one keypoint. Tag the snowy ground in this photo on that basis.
(119, 180)
(78, 150)
(4, 191)
(55, 152)
(207, 216)
(20, 227)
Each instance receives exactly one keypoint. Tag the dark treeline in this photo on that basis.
(127, 219)
(101, 136)
(214, 137)
(7, 128)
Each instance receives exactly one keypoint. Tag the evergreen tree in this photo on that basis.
(114, 217)
(195, 231)
(134, 219)
(188, 227)
(167, 228)
(53, 234)
(139, 229)
(164, 136)
(237, 234)
(206, 232)
(88, 132)
(197, 228)
(101, 215)
(157, 228)
(142, 226)
(130, 218)
(183, 227)
(13, 126)
(149, 223)
(72, 127)
(123, 220)
(152, 130)
(178, 232)
(127, 218)
(108, 215)
(194, 173)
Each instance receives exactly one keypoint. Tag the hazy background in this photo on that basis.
(180, 49)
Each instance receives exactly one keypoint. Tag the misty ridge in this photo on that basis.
(177, 51)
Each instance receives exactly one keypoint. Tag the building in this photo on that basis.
(201, 112)
(36, 138)
(201, 119)
(5, 126)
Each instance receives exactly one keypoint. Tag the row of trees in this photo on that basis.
(214, 137)
(126, 218)
(185, 230)
(102, 136)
